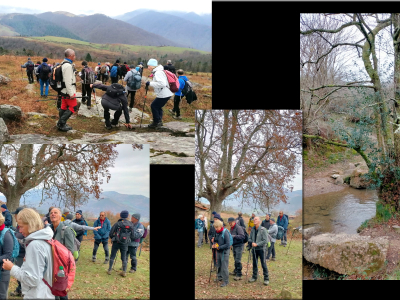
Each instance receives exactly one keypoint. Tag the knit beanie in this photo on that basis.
(98, 64)
(45, 59)
(4, 206)
(66, 210)
(124, 214)
(117, 61)
(79, 212)
(272, 219)
(152, 62)
(29, 58)
(231, 219)
(136, 216)
(70, 217)
(214, 213)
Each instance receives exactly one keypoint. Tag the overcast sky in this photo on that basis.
(110, 8)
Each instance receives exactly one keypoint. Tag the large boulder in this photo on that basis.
(357, 179)
(4, 137)
(309, 232)
(10, 112)
(347, 253)
(4, 80)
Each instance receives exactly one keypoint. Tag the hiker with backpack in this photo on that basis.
(258, 241)
(251, 222)
(115, 72)
(272, 231)
(222, 243)
(30, 67)
(7, 216)
(97, 71)
(121, 234)
(266, 223)
(133, 82)
(240, 220)
(38, 261)
(138, 232)
(66, 236)
(78, 227)
(88, 78)
(124, 69)
(199, 225)
(44, 71)
(283, 220)
(7, 242)
(69, 104)
(104, 72)
(101, 236)
(178, 96)
(114, 99)
(140, 68)
(170, 67)
(238, 236)
(21, 254)
(162, 90)
(35, 70)
(80, 220)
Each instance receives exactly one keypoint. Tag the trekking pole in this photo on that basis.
(212, 258)
(22, 76)
(248, 260)
(291, 240)
(145, 96)
(216, 260)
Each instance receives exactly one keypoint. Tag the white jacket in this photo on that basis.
(38, 257)
(160, 83)
(69, 79)
(205, 222)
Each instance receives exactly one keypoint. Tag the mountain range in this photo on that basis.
(139, 27)
(112, 201)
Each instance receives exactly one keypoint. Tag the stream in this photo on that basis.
(340, 212)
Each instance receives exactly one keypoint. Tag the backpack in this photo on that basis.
(114, 71)
(246, 236)
(287, 217)
(188, 87)
(122, 233)
(61, 257)
(144, 235)
(173, 81)
(89, 75)
(103, 69)
(196, 224)
(230, 236)
(123, 69)
(135, 81)
(115, 90)
(44, 74)
(279, 235)
(191, 96)
(57, 77)
(15, 251)
(77, 244)
(30, 66)
(36, 69)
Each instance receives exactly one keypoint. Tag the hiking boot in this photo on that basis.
(123, 273)
(224, 284)
(16, 294)
(266, 282)
(109, 272)
(238, 278)
(89, 107)
(252, 279)
(273, 259)
(121, 269)
(171, 112)
(215, 280)
(152, 125)
(106, 261)
(232, 273)
(108, 126)
(83, 101)
(94, 259)
(130, 109)
(177, 117)
(132, 271)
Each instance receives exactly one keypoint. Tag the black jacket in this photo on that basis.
(80, 221)
(6, 253)
(125, 222)
(211, 231)
(265, 224)
(114, 103)
(237, 235)
(223, 242)
(170, 68)
(241, 222)
(19, 235)
(8, 217)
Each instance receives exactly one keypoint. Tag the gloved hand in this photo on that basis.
(147, 83)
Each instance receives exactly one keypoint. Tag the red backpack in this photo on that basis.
(61, 257)
(173, 81)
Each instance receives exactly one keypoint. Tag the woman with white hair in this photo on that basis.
(38, 262)
(199, 225)
(222, 245)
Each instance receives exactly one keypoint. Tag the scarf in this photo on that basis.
(102, 222)
(2, 227)
(218, 231)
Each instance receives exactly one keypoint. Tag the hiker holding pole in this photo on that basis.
(30, 66)
(273, 230)
(222, 245)
(258, 239)
(237, 247)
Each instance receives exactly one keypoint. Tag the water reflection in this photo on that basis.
(342, 211)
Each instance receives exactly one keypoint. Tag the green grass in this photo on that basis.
(113, 47)
(93, 282)
(284, 273)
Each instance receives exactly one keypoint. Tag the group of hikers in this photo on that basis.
(62, 78)
(260, 236)
(54, 244)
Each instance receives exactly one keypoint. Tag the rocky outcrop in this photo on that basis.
(357, 179)
(4, 80)
(10, 112)
(309, 232)
(347, 253)
(4, 137)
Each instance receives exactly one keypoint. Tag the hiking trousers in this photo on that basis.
(284, 237)
(223, 263)
(132, 253)
(30, 76)
(123, 249)
(4, 283)
(259, 254)
(237, 255)
(205, 235)
(107, 106)
(105, 247)
(271, 250)
(177, 100)
(156, 108)
(87, 91)
(104, 78)
(44, 82)
(132, 93)
(200, 240)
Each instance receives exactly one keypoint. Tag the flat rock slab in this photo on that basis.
(180, 126)
(347, 253)
(36, 115)
(37, 139)
(169, 159)
(31, 88)
(4, 80)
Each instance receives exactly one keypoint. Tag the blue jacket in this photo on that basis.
(8, 218)
(282, 222)
(103, 232)
(199, 225)
(182, 80)
(40, 67)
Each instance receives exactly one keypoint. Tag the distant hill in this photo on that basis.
(174, 28)
(101, 29)
(112, 201)
(130, 15)
(33, 26)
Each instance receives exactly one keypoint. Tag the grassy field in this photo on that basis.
(93, 282)
(113, 47)
(284, 274)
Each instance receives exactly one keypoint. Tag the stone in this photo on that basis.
(309, 232)
(339, 180)
(183, 127)
(35, 124)
(10, 112)
(357, 180)
(169, 159)
(31, 88)
(334, 176)
(4, 80)
(356, 164)
(396, 228)
(37, 139)
(4, 136)
(347, 253)
(36, 115)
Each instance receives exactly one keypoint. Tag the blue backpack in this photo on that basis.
(114, 71)
(230, 237)
(279, 235)
(15, 251)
